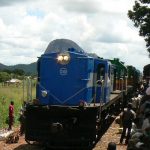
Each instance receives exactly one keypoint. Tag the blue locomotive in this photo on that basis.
(75, 93)
(67, 75)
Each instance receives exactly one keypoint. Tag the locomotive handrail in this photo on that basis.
(101, 82)
(86, 79)
(85, 57)
(98, 82)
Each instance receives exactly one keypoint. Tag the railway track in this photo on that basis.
(109, 134)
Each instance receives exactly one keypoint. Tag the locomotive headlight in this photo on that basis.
(44, 93)
(66, 58)
(60, 58)
(63, 58)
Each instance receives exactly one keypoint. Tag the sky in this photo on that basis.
(97, 26)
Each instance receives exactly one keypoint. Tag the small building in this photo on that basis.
(14, 82)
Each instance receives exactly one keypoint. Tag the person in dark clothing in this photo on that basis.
(146, 97)
(111, 146)
(128, 117)
(22, 118)
(11, 115)
(22, 123)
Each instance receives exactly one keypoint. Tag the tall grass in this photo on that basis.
(11, 93)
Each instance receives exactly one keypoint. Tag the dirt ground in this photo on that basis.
(110, 136)
(21, 145)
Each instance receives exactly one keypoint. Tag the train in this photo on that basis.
(134, 77)
(76, 94)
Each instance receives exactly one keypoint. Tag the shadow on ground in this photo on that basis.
(28, 147)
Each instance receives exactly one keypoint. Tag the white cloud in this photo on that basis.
(27, 27)
(117, 6)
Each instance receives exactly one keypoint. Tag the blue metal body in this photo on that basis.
(68, 84)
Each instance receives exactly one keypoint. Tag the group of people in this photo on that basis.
(136, 121)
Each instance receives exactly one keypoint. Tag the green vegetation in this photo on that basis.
(8, 93)
(140, 15)
(14, 91)
(4, 76)
(26, 69)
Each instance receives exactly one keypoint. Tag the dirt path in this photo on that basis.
(21, 145)
(110, 136)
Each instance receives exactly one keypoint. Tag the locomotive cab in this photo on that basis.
(102, 74)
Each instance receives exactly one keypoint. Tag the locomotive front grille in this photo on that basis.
(60, 125)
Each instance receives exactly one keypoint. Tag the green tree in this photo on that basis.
(7, 70)
(4, 76)
(18, 72)
(140, 15)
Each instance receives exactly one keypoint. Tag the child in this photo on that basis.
(11, 115)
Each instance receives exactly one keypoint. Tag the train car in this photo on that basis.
(134, 77)
(73, 95)
(120, 75)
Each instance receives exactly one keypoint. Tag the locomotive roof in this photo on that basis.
(62, 45)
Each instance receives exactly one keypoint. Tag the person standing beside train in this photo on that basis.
(11, 115)
(128, 117)
(22, 118)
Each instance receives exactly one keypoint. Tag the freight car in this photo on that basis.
(134, 77)
(120, 75)
(75, 96)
